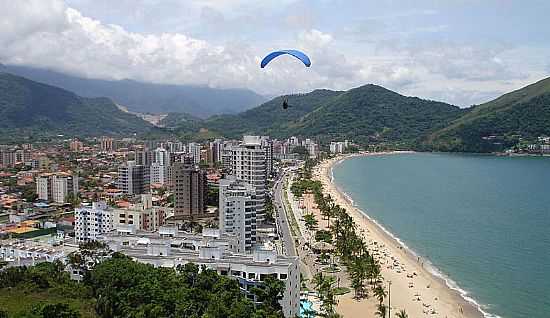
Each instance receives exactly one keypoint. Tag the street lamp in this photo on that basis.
(389, 298)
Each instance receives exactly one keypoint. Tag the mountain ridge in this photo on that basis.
(522, 114)
(29, 108)
(199, 101)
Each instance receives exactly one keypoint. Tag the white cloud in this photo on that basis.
(212, 42)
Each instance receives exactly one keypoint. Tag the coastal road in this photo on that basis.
(281, 217)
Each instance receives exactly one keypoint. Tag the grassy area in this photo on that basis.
(16, 302)
(341, 291)
(331, 269)
(294, 228)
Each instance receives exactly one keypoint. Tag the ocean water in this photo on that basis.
(482, 221)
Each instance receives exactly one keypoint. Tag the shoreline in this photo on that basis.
(440, 291)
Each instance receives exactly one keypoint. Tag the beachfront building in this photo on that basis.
(169, 248)
(248, 162)
(338, 146)
(237, 212)
(92, 222)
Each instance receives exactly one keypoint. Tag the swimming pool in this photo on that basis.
(306, 309)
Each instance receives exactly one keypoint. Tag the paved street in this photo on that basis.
(281, 217)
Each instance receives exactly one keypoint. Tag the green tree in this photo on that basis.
(310, 221)
(381, 311)
(270, 292)
(379, 293)
(58, 310)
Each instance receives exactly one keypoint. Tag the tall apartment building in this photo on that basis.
(133, 178)
(194, 150)
(160, 167)
(22, 156)
(75, 145)
(92, 222)
(216, 147)
(190, 190)
(338, 147)
(247, 162)
(175, 147)
(56, 187)
(7, 158)
(267, 144)
(237, 209)
(106, 144)
(144, 157)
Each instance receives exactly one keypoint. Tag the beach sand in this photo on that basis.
(408, 274)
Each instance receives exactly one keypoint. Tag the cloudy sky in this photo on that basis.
(459, 51)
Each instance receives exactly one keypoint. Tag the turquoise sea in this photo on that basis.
(482, 221)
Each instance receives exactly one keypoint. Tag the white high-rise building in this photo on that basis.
(338, 147)
(162, 156)
(194, 150)
(160, 166)
(247, 162)
(43, 187)
(158, 173)
(237, 207)
(92, 223)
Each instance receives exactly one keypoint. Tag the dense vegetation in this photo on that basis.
(120, 287)
(201, 101)
(29, 108)
(499, 124)
(368, 114)
(269, 118)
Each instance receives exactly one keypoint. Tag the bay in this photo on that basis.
(482, 221)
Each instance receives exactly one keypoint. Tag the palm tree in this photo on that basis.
(381, 312)
(379, 293)
(402, 314)
(310, 222)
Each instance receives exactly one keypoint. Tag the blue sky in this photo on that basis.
(462, 52)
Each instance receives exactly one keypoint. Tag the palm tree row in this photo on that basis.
(363, 269)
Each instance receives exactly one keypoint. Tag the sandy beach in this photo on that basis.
(413, 287)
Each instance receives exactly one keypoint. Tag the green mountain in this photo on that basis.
(365, 114)
(29, 108)
(269, 118)
(523, 114)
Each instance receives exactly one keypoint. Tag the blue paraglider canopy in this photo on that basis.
(297, 54)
